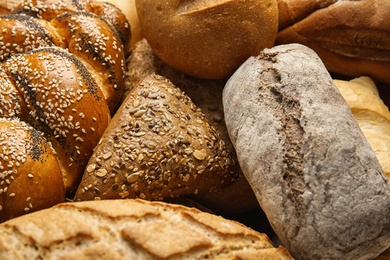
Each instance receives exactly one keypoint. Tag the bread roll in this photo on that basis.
(62, 72)
(208, 39)
(131, 229)
(351, 37)
(313, 171)
(372, 115)
(30, 177)
(128, 8)
(158, 145)
(206, 95)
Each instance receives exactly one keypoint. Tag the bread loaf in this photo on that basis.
(206, 95)
(208, 39)
(61, 75)
(158, 145)
(372, 115)
(351, 37)
(131, 229)
(313, 171)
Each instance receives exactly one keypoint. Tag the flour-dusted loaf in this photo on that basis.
(308, 162)
(131, 229)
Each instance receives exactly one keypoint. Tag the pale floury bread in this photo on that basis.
(208, 39)
(372, 115)
(131, 229)
(311, 167)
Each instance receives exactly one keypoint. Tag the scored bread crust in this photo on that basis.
(131, 229)
(208, 39)
(351, 37)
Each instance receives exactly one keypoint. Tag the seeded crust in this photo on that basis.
(206, 95)
(53, 91)
(131, 229)
(28, 166)
(61, 71)
(158, 145)
(99, 39)
(313, 171)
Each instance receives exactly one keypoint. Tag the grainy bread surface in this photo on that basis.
(206, 95)
(158, 145)
(131, 229)
(311, 168)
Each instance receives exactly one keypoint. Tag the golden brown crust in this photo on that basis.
(372, 115)
(351, 37)
(63, 101)
(208, 39)
(132, 229)
(28, 167)
(158, 145)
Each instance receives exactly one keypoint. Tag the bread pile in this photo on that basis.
(232, 107)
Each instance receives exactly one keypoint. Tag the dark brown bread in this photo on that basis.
(313, 171)
(158, 145)
(206, 95)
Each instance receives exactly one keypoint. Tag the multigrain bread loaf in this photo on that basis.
(61, 71)
(351, 37)
(131, 229)
(206, 95)
(313, 171)
(208, 39)
(158, 145)
(372, 115)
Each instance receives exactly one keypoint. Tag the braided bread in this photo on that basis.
(62, 73)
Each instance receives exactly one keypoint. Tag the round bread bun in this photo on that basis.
(129, 10)
(208, 39)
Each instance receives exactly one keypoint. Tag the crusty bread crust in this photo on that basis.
(313, 171)
(131, 229)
